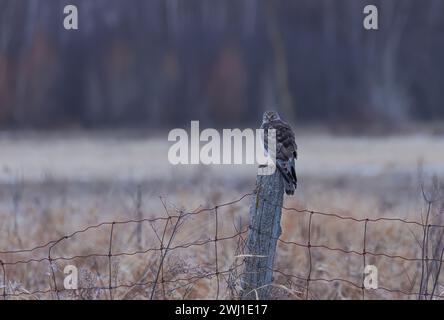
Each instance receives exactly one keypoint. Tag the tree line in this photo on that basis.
(163, 63)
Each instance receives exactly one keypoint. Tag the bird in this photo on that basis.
(286, 148)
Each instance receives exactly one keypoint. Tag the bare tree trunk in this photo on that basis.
(263, 234)
(280, 61)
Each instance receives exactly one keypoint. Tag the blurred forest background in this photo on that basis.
(84, 117)
(162, 63)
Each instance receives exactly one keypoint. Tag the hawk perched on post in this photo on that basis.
(286, 148)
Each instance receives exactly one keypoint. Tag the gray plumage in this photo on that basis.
(286, 148)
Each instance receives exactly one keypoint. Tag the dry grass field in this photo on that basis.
(54, 184)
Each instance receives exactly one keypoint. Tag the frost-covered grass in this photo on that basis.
(51, 185)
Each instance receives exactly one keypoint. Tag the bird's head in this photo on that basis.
(270, 116)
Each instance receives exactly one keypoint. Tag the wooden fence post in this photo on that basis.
(263, 234)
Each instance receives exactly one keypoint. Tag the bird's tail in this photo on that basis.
(287, 169)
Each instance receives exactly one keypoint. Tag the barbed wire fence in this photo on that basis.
(217, 273)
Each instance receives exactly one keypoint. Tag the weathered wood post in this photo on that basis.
(263, 234)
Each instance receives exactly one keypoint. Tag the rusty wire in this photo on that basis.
(164, 249)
